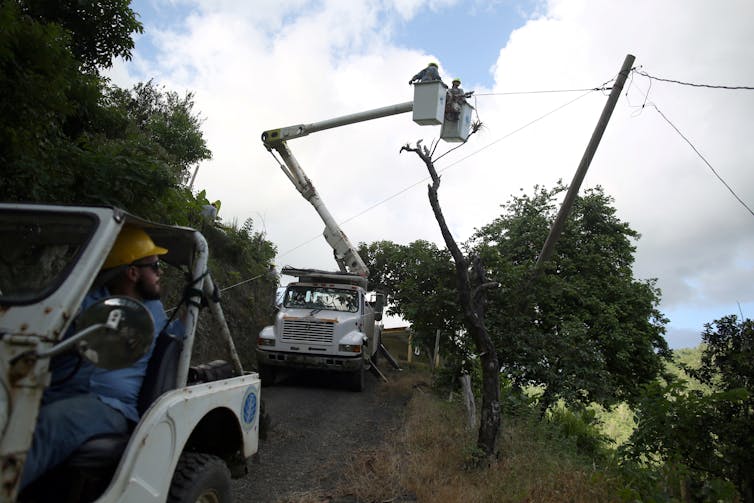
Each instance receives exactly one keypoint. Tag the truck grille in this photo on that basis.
(320, 332)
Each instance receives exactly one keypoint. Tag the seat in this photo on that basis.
(88, 471)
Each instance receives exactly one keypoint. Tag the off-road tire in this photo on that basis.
(267, 375)
(200, 478)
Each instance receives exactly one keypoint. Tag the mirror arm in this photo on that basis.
(113, 320)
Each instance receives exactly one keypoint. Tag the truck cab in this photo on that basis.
(325, 321)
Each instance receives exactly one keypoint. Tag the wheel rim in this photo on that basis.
(208, 496)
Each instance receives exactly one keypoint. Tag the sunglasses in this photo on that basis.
(155, 266)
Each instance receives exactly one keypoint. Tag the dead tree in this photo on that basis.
(472, 302)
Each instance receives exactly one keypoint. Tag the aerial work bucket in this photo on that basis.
(458, 130)
(429, 102)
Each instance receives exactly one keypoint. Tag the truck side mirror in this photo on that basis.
(379, 305)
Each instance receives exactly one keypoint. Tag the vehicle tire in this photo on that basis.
(200, 478)
(356, 380)
(267, 375)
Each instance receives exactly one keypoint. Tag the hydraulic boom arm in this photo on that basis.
(346, 256)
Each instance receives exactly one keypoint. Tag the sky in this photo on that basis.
(255, 66)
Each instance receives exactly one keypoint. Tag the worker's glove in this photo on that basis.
(410, 82)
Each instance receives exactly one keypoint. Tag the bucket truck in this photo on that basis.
(326, 320)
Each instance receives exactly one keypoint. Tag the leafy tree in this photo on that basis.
(68, 137)
(161, 118)
(586, 330)
(99, 30)
(710, 433)
(37, 78)
(418, 281)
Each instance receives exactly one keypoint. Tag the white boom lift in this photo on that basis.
(325, 320)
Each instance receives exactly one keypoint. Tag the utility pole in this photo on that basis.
(557, 227)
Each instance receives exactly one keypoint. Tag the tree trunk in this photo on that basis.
(489, 426)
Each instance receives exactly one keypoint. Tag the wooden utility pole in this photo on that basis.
(557, 227)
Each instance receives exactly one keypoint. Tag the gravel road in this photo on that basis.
(315, 424)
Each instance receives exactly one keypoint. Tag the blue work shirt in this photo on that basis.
(117, 388)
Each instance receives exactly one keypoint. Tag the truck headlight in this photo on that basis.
(350, 348)
(265, 342)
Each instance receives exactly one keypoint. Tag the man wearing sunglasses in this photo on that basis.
(84, 401)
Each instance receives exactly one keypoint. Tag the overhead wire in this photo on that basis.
(646, 103)
(454, 163)
(703, 159)
(510, 93)
(586, 92)
(694, 84)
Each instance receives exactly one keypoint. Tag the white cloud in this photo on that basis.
(255, 67)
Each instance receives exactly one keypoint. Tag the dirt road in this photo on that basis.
(315, 425)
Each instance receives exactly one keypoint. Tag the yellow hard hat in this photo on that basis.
(131, 245)
(455, 80)
(432, 63)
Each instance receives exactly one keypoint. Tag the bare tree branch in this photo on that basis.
(472, 303)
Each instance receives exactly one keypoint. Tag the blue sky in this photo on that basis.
(256, 66)
(467, 37)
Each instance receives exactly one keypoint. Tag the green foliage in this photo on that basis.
(37, 76)
(586, 330)
(727, 361)
(581, 428)
(419, 282)
(708, 434)
(240, 264)
(99, 31)
(166, 120)
(67, 136)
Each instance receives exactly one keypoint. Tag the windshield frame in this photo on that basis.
(89, 224)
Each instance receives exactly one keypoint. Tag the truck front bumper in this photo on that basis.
(306, 361)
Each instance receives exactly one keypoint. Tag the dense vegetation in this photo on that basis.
(567, 455)
(585, 331)
(67, 135)
(584, 339)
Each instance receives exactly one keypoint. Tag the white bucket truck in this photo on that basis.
(325, 320)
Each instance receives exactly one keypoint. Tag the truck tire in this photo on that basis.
(356, 380)
(267, 375)
(200, 478)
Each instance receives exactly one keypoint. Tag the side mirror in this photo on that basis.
(115, 332)
(379, 305)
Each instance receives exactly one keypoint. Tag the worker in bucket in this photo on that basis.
(84, 401)
(456, 100)
(427, 75)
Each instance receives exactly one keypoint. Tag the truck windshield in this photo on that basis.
(311, 297)
(37, 250)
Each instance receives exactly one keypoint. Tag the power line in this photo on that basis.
(458, 161)
(703, 159)
(693, 84)
(242, 282)
(411, 186)
(546, 92)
